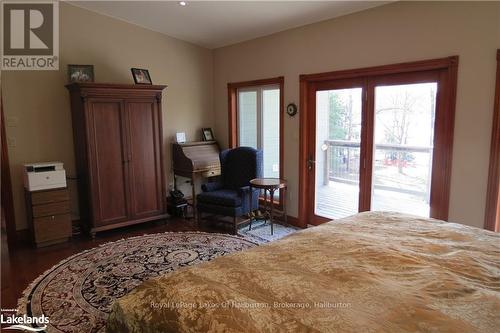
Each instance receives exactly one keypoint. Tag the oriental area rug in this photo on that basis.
(77, 293)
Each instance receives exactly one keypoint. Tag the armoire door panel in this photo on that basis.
(107, 162)
(145, 168)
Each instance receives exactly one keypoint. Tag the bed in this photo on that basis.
(372, 272)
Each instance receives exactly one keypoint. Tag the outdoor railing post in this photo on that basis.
(326, 172)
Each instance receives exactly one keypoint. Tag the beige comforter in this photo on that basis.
(372, 272)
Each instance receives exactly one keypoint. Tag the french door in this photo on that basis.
(378, 142)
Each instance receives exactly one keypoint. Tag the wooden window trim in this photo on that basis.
(492, 213)
(232, 92)
(441, 185)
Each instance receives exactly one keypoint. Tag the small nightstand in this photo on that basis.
(271, 185)
(49, 218)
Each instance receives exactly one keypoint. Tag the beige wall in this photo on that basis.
(393, 33)
(40, 101)
(197, 78)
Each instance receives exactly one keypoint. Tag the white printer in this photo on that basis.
(44, 176)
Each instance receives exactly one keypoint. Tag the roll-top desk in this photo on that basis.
(196, 160)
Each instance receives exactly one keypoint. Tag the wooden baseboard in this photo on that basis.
(295, 221)
(127, 223)
(291, 220)
(52, 242)
(23, 236)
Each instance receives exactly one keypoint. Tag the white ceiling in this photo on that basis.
(214, 24)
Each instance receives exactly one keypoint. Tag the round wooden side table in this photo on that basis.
(272, 185)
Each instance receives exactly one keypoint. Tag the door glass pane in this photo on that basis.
(338, 132)
(403, 145)
(247, 118)
(271, 132)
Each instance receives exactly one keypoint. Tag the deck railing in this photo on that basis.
(343, 161)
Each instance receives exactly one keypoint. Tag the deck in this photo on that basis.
(337, 200)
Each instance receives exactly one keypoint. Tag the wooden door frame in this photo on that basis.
(449, 68)
(492, 213)
(232, 93)
(7, 199)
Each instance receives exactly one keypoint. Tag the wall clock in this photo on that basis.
(291, 109)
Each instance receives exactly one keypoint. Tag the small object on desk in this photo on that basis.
(180, 137)
(272, 185)
(49, 218)
(207, 134)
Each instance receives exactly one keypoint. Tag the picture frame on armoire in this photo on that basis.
(141, 76)
(80, 73)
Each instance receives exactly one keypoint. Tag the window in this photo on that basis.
(259, 124)
(255, 120)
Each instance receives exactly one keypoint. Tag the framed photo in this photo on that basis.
(180, 137)
(208, 135)
(81, 73)
(141, 76)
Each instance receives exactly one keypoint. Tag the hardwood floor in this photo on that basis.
(22, 266)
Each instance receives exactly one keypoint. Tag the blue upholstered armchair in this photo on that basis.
(231, 195)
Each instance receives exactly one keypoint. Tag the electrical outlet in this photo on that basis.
(11, 142)
(11, 121)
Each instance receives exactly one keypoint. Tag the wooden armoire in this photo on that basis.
(117, 132)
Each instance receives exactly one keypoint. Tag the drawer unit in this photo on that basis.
(55, 208)
(46, 197)
(52, 227)
(49, 217)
